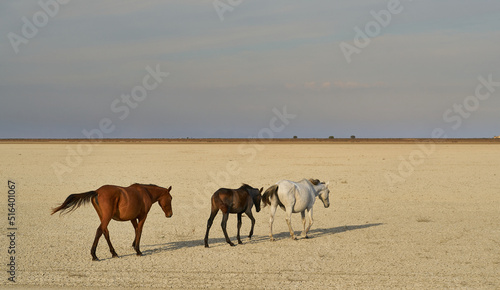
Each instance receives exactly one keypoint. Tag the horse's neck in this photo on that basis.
(153, 193)
(317, 189)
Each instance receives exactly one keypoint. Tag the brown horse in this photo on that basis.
(237, 201)
(121, 204)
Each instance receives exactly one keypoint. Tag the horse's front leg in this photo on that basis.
(250, 216)
(239, 227)
(138, 233)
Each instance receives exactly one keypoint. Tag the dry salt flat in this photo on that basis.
(432, 225)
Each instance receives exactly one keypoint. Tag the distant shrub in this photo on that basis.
(331, 137)
(353, 137)
(295, 137)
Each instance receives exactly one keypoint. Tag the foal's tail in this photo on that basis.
(74, 201)
(268, 194)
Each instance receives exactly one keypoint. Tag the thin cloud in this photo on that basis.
(356, 85)
(328, 85)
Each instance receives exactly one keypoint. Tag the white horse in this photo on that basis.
(295, 197)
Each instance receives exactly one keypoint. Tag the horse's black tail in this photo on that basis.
(74, 201)
(268, 194)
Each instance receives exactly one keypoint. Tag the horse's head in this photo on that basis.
(165, 202)
(257, 197)
(324, 194)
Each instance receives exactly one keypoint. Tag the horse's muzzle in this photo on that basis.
(168, 215)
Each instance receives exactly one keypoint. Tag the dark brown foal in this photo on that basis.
(236, 201)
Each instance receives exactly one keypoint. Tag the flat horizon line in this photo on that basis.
(263, 140)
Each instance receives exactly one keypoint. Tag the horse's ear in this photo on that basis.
(327, 183)
(170, 188)
(260, 191)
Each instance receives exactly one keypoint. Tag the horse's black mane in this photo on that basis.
(148, 184)
(246, 187)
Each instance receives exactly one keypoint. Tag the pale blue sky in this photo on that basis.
(226, 76)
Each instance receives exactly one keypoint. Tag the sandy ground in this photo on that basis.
(431, 224)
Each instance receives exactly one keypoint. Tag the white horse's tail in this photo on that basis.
(268, 195)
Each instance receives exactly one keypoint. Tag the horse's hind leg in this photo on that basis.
(239, 227)
(105, 231)
(96, 241)
(271, 220)
(310, 214)
(209, 224)
(223, 225)
(102, 229)
(303, 216)
(105, 216)
(289, 222)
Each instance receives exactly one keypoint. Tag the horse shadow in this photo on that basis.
(322, 232)
(153, 249)
(214, 243)
(256, 239)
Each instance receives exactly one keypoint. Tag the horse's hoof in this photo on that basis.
(95, 259)
(139, 254)
(206, 246)
(232, 245)
(240, 242)
(272, 239)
